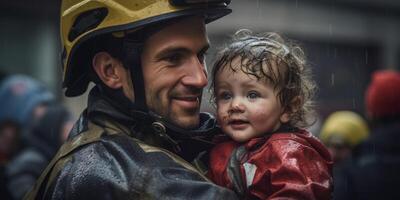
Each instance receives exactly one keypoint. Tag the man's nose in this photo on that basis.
(196, 74)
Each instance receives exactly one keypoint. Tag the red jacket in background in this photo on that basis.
(281, 165)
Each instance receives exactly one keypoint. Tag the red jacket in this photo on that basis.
(281, 165)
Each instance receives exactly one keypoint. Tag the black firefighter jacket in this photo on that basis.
(105, 159)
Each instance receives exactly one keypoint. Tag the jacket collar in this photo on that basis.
(140, 125)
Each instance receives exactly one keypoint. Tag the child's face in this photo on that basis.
(246, 108)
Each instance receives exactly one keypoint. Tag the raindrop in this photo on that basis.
(259, 9)
(297, 3)
(330, 30)
(335, 53)
(332, 79)
(366, 56)
(354, 103)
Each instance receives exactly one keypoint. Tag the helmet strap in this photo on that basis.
(132, 52)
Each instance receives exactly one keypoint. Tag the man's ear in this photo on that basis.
(108, 69)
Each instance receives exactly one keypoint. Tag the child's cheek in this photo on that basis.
(259, 115)
(222, 115)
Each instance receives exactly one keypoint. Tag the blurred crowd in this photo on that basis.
(33, 125)
(365, 149)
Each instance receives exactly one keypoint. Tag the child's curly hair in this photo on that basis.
(281, 63)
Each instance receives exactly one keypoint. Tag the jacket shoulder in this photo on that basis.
(292, 167)
(95, 170)
(117, 166)
(301, 140)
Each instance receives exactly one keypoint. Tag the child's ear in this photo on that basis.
(285, 117)
(293, 107)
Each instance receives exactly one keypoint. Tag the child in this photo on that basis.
(262, 90)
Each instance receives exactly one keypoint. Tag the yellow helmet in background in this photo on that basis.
(84, 20)
(347, 126)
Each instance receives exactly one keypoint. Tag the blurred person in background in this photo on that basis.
(22, 100)
(46, 136)
(8, 145)
(375, 174)
(341, 132)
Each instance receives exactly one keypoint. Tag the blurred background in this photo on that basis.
(345, 40)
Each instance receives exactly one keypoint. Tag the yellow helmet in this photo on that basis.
(347, 126)
(83, 20)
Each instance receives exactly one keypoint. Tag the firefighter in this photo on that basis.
(142, 124)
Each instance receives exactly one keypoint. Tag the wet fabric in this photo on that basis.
(112, 156)
(282, 165)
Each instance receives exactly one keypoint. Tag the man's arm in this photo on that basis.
(117, 168)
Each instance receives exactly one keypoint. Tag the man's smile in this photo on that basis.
(187, 102)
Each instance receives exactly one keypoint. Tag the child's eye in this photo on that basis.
(224, 96)
(253, 95)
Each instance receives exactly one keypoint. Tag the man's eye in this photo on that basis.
(253, 95)
(174, 58)
(202, 56)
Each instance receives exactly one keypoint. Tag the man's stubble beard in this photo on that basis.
(164, 109)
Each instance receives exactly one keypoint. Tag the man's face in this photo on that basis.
(174, 71)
